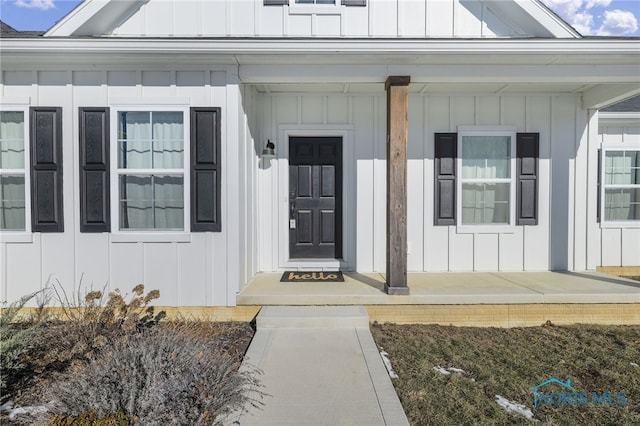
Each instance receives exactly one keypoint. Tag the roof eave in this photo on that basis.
(320, 45)
(554, 23)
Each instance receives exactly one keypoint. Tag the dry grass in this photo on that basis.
(509, 362)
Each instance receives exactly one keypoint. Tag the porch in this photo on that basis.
(475, 298)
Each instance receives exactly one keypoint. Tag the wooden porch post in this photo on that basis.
(397, 88)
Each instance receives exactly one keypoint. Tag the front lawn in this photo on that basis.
(453, 375)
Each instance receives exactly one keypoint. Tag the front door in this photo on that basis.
(315, 197)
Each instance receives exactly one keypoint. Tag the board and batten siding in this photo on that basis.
(250, 18)
(545, 246)
(194, 270)
(609, 245)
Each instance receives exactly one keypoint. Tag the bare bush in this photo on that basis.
(88, 323)
(160, 376)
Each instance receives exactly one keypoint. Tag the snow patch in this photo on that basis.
(29, 410)
(449, 370)
(514, 407)
(387, 364)
(22, 411)
(634, 364)
(7, 406)
(442, 370)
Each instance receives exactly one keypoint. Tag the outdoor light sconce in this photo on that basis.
(269, 150)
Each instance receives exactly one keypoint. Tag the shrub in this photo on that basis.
(164, 375)
(15, 337)
(88, 324)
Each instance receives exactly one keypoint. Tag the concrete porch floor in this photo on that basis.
(487, 299)
(446, 289)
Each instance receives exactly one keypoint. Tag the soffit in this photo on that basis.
(424, 88)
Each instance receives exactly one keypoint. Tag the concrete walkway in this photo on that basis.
(320, 367)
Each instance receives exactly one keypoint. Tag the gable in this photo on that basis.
(252, 18)
(95, 17)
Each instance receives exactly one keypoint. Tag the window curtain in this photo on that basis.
(622, 168)
(11, 140)
(12, 210)
(485, 203)
(485, 157)
(151, 140)
(12, 187)
(152, 202)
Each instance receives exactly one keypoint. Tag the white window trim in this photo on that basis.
(487, 228)
(21, 236)
(628, 224)
(160, 235)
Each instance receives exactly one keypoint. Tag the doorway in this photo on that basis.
(315, 197)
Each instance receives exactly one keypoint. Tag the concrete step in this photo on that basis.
(332, 317)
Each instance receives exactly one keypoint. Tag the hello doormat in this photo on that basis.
(312, 276)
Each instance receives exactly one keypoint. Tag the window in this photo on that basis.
(621, 189)
(13, 166)
(486, 185)
(148, 170)
(150, 173)
(486, 177)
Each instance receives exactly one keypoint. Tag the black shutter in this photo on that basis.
(205, 169)
(94, 170)
(46, 169)
(276, 2)
(599, 187)
(527, 154)
(354, 2)
(445, 153)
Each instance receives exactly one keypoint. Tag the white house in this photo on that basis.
(132, 136)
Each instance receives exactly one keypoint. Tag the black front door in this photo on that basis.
(315, 197)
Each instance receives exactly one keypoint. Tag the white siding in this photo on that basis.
(364, 110)
(431, 248)
(202, 269)
(21, 267)
(538, 112)
(415, 184)
(380, 18)
(436, 238)
(563, 152)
